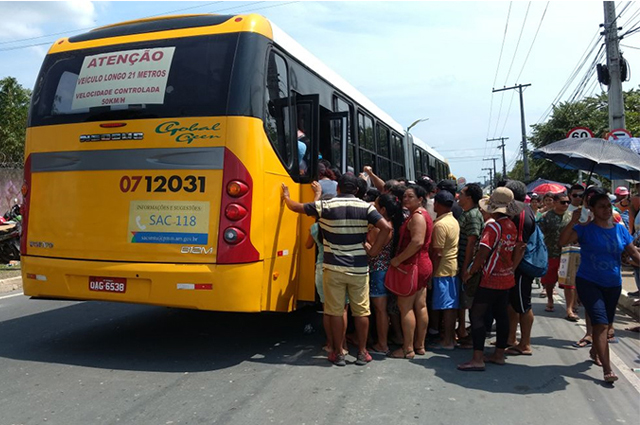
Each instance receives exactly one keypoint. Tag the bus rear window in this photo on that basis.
(154, 79)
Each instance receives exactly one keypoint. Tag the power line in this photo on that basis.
(504, 37)
(48, 43)
(90, 28)
(534, 40)
(591, 47)
(495, 78)
(515, 53)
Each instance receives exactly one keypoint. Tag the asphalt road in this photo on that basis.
(106, 363)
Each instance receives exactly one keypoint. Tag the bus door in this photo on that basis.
(307, 109)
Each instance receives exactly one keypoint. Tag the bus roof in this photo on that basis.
(429, 149)
(294, 48)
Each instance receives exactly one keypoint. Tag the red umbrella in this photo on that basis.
(549, 187)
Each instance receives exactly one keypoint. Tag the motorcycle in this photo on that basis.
(10, 232)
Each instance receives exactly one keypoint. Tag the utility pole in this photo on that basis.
(525, 156)
(490, 176)
(616, 101)
(494, 165)
(504, 158)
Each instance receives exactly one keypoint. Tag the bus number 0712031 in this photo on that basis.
(163, 184)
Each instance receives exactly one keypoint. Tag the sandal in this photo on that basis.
(402, 354)
(375, 350)
(610, 377)
(572, 318)
(585, 341)
(549, 309)
(419, 351)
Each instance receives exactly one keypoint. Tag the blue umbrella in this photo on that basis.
(632, 143)
(607, 159)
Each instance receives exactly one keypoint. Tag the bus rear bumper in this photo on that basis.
(195, 286)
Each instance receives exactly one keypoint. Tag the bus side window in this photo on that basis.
(398, 156)
(277, 112)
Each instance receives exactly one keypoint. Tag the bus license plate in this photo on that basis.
(107, 284)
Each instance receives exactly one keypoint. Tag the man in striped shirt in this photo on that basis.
(344, 222)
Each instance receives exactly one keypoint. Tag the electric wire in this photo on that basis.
(48, 43)
(515, 53)
(591, 47)
(534, 40)
(90, 28)
(495, 78)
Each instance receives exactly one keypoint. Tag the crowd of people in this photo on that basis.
(459, 251)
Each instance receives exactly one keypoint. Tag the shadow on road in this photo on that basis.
(147, 338)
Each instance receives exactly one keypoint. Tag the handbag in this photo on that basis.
(403, 280)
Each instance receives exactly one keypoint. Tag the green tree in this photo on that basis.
(14, 108)
(591, 112)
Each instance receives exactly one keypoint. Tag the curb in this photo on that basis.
(625, 302)
(11, 284)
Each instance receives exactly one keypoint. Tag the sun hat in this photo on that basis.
(622, 191)
(501, 201)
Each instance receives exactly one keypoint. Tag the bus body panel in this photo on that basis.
(80, 222)
(87, 204)
(196, 286)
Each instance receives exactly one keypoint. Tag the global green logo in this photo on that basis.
(184, 134)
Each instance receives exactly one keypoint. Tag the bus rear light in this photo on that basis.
(237, 188)
(24, 209)
(234, 232)
(233, 235)
(113, 124)
(235, 212)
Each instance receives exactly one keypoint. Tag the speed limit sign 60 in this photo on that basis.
(579, 133)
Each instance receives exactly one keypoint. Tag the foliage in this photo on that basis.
(14, 108)
(591, 112)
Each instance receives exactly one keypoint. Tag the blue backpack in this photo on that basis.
(535, 260)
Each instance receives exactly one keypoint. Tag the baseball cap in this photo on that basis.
(448, 185)
(444, 197)
(348, 184)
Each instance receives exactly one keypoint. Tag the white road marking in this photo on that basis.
(12, 295)
(616, 361)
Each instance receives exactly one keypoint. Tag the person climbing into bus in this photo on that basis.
(345, 268)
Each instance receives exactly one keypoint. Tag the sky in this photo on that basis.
(435, 60)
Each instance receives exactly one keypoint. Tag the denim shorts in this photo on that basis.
(599, 302)
(376, 284)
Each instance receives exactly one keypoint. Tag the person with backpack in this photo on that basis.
(533, 264)
(498, 256)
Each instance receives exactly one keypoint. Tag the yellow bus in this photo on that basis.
(154, 156)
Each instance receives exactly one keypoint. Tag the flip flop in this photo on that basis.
(572, 318)
(582, 343)
(405, 355)
(488, 360)
(515, 351)
(437, 347)
(549, 309)
(465, 367)
(610, 377)
(420, 351)
(373, 350)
